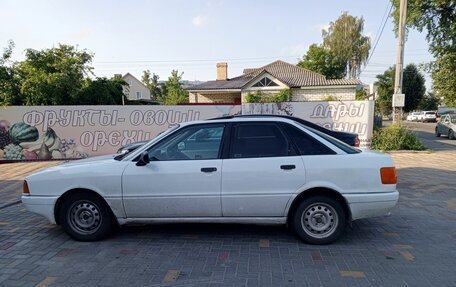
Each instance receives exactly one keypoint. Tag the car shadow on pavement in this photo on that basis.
(10, 192)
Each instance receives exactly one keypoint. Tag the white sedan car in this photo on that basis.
(413, 116)
(255, 170)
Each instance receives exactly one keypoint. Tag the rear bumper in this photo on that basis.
(366, 205)
(42, 205)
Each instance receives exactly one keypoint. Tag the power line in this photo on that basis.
(194, 60)
(384, 20)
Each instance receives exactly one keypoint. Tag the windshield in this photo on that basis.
(341, 145)
(159, 136)
(430, 113)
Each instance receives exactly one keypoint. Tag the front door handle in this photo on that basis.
(208, 169)
(288, 166)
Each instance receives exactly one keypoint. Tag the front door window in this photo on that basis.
(192, 143)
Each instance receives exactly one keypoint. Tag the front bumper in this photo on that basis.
(366, 205)
(42, 205)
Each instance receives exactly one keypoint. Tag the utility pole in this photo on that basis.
(397, 108)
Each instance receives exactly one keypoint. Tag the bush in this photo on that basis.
(395, 137)
(330, 99)
(259, 97)
(253, 97)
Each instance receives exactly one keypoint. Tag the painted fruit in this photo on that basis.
(22, 132)
(29, 154)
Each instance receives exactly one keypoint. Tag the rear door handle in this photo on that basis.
(208, 169)
(288, 166)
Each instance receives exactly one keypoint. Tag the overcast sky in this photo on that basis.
(192, 36)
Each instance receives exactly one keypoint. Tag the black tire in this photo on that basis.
(437, 134)
(86, 217)
(451, 135)
(316, 208)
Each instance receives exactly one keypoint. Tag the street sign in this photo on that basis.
(398, 100)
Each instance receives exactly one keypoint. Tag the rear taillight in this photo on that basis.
(25, 189)
(356, 141)
(388, 175)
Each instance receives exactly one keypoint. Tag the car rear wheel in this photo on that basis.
(319, 220)
(85, 217)
(437, 134)
(451, 135)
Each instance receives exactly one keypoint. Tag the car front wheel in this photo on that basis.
(319, 220)
(451, 135)
(85, 217)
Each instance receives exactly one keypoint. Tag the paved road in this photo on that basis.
(425, 131)
(415, 246)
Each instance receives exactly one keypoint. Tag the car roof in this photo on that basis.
(249, 118)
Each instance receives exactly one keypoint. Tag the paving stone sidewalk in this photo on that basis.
(415, 246)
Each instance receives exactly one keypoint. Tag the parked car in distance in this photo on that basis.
(419, 116)
(429, 116)
(251, 170)
(346, 137)
(446, 126)
(411, 117)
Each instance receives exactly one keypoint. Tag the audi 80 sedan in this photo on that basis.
(251, 170)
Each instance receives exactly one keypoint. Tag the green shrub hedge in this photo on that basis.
(395, 137)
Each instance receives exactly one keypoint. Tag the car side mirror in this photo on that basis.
(143, 159)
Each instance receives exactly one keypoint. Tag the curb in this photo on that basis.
(409, 151)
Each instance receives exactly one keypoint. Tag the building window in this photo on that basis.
(130, 83)
(138, 95)
(265, 82)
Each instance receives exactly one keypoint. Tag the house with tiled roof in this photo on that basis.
(304, 85)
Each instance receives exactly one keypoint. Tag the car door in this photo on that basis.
(182, 179)
(444, 125)
(261, 171)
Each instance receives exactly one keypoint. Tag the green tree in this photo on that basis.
(437, 18)
(385, 89)
(152, 83)
(54, 76)
(175, 93)
(9, 84)
(360, 95)
(319, 59)
(102, 91)
(344, 38)
(413, 86)
(443, 72)
(429, 102)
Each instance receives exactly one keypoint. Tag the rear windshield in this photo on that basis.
(341, 145)
(430, 113)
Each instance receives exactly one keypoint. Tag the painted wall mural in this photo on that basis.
(70, 132)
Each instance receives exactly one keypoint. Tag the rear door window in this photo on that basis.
(249, 140)
(305, 144)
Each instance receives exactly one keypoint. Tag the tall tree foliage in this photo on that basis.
(53, 76)
(345, 39)
(175, 92)
(321, 60)
(102, 91)
(429, 103)
(437, 18)
(9, 84)
(385, 90)
(413, 86)
(154, 86)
